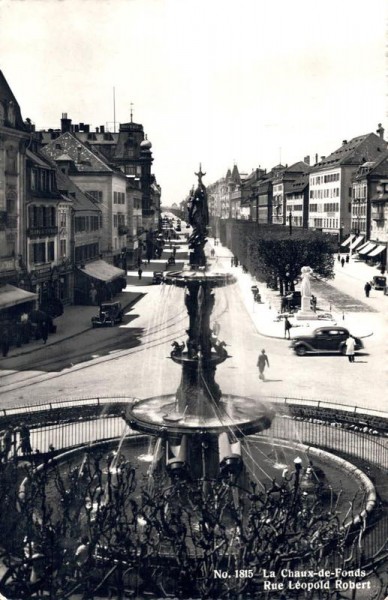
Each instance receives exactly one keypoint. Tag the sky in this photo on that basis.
(216, 82)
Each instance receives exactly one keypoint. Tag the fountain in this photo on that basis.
(200, 427)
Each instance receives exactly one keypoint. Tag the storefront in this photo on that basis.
(15, 301)
(97, 282)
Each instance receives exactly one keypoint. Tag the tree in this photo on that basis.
(277, 256)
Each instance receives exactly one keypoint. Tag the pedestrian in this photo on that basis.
(287, 327)
(232, 261)
(350, 346)
(339, 257)
(7, 442)
(342, 261)
(25, 444)
(347, 258)
(262, 361)
(236, 262)
(313, 303)
(367, 289)
(44, 330)
(93, 295)
(5, 339)
(140, 272)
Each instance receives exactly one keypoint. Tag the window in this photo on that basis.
(50, 251)
(62, 248)
(39, 253)
(115, 220)
(62, 218)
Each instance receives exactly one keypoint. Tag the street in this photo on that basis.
(133, 359)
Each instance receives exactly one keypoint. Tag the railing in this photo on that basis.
(349, 430)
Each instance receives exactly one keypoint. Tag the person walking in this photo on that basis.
(140, 272)
(350, 346)
(262, 362)
(338, 257)
(367, 289)
(287, 327)
(342, 261)
(5, 339)
(347, 258)
(44, 330)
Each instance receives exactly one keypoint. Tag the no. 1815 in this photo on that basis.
(238, 573)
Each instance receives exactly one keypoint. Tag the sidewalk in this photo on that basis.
(74, 321)
(265, 314)
(77, 319)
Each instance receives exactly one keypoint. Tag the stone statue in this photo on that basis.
(198, 218)
(305, 288)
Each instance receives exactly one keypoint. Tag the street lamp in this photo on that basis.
(290, 221)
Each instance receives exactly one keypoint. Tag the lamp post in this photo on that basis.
(290, 221)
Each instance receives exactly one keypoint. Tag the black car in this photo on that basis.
(324, 339)
(110, 314)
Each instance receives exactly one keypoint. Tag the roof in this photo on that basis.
(85, 160)
(39, 160)
(299, 185)
(11, 296)
(101, 270)
(6, 97)
(357, 151)
(81, 202)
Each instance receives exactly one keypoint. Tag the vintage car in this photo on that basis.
(157, 277)
(379, 282)
(110, 314)
(323, 339)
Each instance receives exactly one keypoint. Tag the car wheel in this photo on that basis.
(300, 350)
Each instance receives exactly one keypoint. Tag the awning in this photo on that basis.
(377, 251)
(101, 270)
(356, 242)
(362, 246)
(367, 248)
(11, 296)
(348, 240)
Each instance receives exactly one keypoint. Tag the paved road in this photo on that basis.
(135, 361)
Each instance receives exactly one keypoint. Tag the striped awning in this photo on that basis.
(367, 248)
(362, 245)
(377, 251)
(356, 242)
(348, 240)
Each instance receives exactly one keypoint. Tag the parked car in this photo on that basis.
(323, 339)
(379, 282)
(110, 314)
(157, 277)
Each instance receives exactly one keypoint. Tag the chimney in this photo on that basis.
(344, 142)
(307, 160)
(86, 128)
(97, 130)
(76, 128)
(380, 131)
(102, 128)
(81, 126)
(316, 159)
(65, 123)
(323, 157)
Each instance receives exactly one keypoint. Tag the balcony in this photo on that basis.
(47, 231)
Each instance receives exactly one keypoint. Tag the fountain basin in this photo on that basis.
(238, 415)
